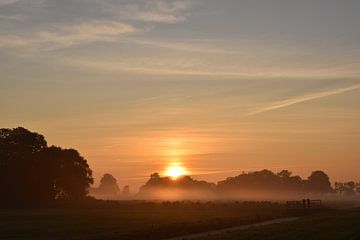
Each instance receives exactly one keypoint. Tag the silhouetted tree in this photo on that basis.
(266, 181)
(318, 182)
(155, 176)
(18, 148)
(126, 191)
(66, 171)
(347, 188)
(187, 182)
(31, 172)
(295, 184)
(258, 181)
(284, 174)
(357, 188)
(108, 185)
(157, 182)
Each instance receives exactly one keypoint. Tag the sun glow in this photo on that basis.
(175, 171)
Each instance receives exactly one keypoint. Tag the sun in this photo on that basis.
(175, 171)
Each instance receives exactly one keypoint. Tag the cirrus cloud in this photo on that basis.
(7, 2)
(66, 36)
(49, 28)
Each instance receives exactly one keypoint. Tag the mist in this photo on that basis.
(252, 186)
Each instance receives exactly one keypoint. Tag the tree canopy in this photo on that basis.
(283, 182)
(31, 172)
(186, 186)
(108, 185)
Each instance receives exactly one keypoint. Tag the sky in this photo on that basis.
(218, 87)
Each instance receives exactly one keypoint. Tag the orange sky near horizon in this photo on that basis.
(213, 143)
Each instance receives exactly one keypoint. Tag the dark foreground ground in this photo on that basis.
(131, 220)
(148, 220)
(330, 225)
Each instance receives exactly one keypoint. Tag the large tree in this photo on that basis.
(66, 172)
(32, 172)
(108, 185)
(18, 148)
(319, 182)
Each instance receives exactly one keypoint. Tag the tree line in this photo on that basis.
(264, 181)
(31, 172)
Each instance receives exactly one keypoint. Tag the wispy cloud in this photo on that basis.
(85, 32)
(302, 99)
(65, 36)
(173, 6)
(13, 41)
(16, 17)
(154, 11)
(186, 46)
(81, 26)
(159, 17)
(7, 2)
(177, 66)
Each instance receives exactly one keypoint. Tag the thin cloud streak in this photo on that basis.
(7, 2)
(183, 47)
(159, 18)
(301, 99)
(66, 36)
(122, 19)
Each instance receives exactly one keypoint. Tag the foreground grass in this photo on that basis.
(332, 225)
(130, 220)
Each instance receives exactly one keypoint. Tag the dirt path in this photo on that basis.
(242, 227)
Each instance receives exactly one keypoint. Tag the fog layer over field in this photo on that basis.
(260, 185)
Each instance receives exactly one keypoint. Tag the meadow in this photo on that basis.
(329, 225)
(128, 220)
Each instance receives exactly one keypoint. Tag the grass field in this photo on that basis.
(332, 225)
(136, 220)
(131, 220)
